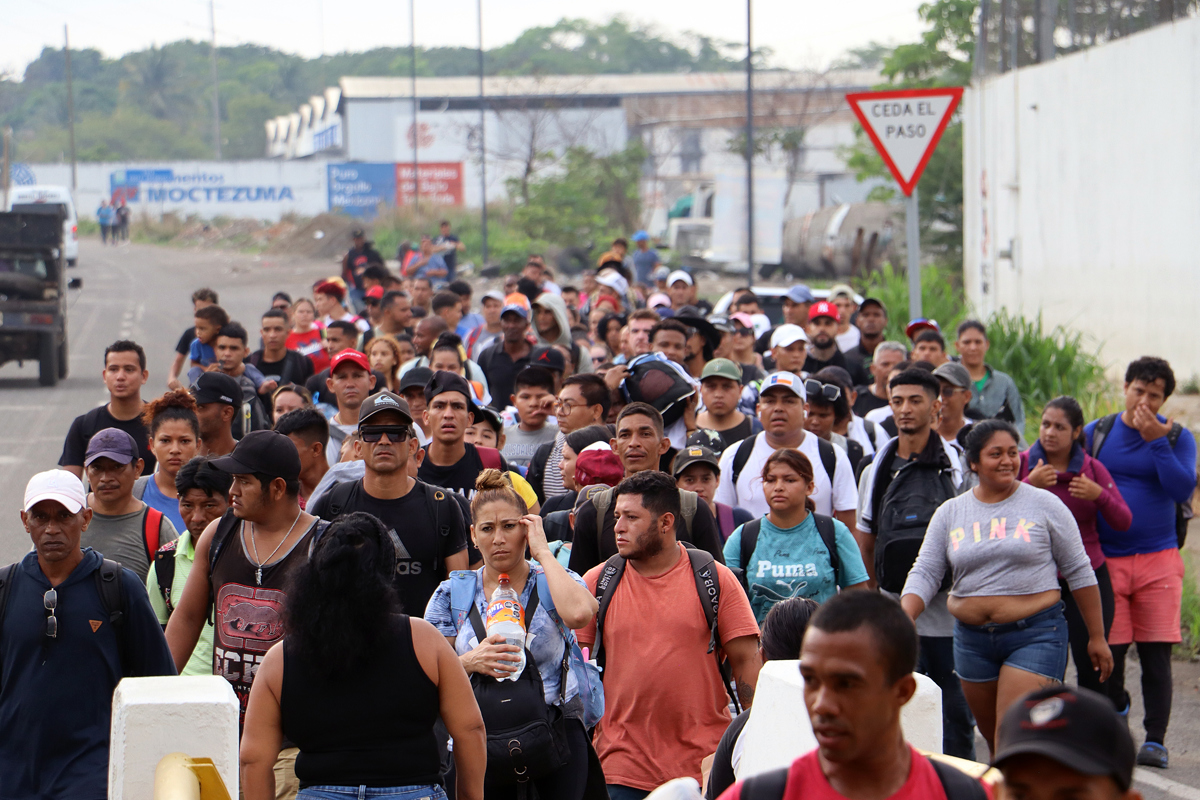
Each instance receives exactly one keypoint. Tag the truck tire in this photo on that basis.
(64, 362)
(48, 361)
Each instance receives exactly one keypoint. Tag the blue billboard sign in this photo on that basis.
(359, 189)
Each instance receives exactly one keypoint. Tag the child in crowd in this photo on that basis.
(209, 321)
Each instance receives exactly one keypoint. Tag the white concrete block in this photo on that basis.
(153, 717)
(779, 731)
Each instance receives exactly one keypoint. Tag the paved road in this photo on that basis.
(142, 292)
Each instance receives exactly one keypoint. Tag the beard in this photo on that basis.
(647, 545)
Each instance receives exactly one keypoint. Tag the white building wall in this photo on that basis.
(1080, 194)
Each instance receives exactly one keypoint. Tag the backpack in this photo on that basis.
(463, 584)
(687, 505)
(903, 515)
(164, 573)
(825, 527)
(526, 738)
(957, 784)
(746, 447)
(490, 457)
(1183, 511)
(151, 526)
(108, 586)
(708, 587)
(249, 416)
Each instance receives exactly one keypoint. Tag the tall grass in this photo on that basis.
(941, 296)
(1190, 646)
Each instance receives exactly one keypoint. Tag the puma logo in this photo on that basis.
(95, 623)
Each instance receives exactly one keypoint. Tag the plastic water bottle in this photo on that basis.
(506, 616)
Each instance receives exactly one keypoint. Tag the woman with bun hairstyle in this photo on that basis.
(174, 439)
(503, 529)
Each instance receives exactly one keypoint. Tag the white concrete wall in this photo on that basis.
(1086, 170)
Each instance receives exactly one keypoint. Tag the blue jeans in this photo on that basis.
(935, 660)
(616, 792)
(374, 793)
(1036, 644)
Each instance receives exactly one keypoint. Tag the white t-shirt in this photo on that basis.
(841, 496)
(849, 340)
(878, 415)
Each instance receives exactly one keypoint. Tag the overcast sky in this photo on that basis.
(802, 34)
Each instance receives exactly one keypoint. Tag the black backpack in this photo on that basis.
(752, 528)
(708, 587)
(164, 573)
(526, 738)
(746, 447)
(903, 515)
(108, 586)
(957, 784)
(1183, 511)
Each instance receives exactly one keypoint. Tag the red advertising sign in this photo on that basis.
(440, 183)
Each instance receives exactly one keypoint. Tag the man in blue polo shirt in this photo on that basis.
(60, 656)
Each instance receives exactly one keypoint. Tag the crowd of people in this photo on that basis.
(324, 520)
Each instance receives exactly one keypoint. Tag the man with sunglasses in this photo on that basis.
(390, 491)
(60, 655)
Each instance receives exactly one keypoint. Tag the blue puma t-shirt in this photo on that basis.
(793, 562)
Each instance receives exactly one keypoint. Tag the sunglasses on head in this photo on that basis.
(374, 433)
(829, 391)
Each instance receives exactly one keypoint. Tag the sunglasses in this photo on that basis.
(948, 391)
(50, 600)
(830, 392)
(374, 433)
(743, 331)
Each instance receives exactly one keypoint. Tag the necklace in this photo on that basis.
(258, 567)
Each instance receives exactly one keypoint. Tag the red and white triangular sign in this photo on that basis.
(905, 126)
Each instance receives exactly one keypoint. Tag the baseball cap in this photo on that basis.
(721, 368)
(443, 381)
(1076, 727)
(921, 323)
(872, 301)
(111, 443)
(658, 299)
(216, 387)
(661, 273)
(694, 455)
(840, 290)
(384, 401)
(330, 288)
(549, 357)
(705, 437)
(824, 309)
(787, 335)
(516, 302)
(357, 233)
(374, 293)
(744, 318)
(640, 236)
(955, 374)
(800, 294)
(598, 466)
(353, 356)
(613, 280)
(417, 376)
(787, 380)
(680, 275)
(57, 485)
(263, 452)
(494, 294)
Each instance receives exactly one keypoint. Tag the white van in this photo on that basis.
(20, 197)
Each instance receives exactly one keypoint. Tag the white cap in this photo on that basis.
(613, 280)
(786, 335)
(658, 299)
(598, 446)
(57, 485)
(786, 380)
(680, 275)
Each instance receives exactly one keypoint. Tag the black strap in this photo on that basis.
(828, 461)
(108, 584)
(708, 588)
(606, 585)
(766, 786)
(164, 573)
(957, 784)
(8, 577)
(750, 533)
(1101, 431)
(742, 455)
(225, 529)
(828, 532)
(442, 515)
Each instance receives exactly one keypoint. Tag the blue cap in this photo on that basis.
(641, 236)
(800, 294)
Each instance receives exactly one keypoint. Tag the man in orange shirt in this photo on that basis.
(666, 704)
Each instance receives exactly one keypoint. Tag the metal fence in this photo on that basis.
(1017, 33)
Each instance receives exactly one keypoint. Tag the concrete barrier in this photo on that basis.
(779, 731)
(153, 717)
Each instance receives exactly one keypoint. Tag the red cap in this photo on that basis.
(824, 309)
(375, 293)
(353, 356)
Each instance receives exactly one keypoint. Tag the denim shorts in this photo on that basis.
(371, 792)
(1036, 644)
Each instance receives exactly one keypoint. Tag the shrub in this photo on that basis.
(941, 297)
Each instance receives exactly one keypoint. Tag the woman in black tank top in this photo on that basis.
(357, 686)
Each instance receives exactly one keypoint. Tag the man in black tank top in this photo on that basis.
(243, 563)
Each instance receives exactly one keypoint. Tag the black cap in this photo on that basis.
(216, 387)
(705, 437)
(262, 452)
(415, 377)
(694, 455)
(549, 357)
(444, 381)
(1076, 727)
(357, 233)
(384, 401)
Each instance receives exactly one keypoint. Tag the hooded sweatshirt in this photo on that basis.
(558, 306)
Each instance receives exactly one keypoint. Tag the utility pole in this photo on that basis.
(749, 149)
(70, 109)
(482, 142)
(416, 132)
(212, 22)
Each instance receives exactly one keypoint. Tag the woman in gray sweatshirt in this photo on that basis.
(1004, 543)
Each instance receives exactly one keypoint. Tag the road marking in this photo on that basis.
(1172, 788)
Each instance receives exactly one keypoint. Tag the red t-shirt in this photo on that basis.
(806, 781)
(310, 344)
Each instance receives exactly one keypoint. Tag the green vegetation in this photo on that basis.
(1189, 648)
(157, 103)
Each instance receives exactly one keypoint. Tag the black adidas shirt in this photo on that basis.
(411, 518)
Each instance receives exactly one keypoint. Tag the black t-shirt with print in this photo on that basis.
(411, 518)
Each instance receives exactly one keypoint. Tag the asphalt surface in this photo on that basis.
(143, 292)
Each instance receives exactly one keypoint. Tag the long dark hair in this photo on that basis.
(340, 599)
(798, 463)
(1074, 414)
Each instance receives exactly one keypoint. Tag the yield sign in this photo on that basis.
(905, 126)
